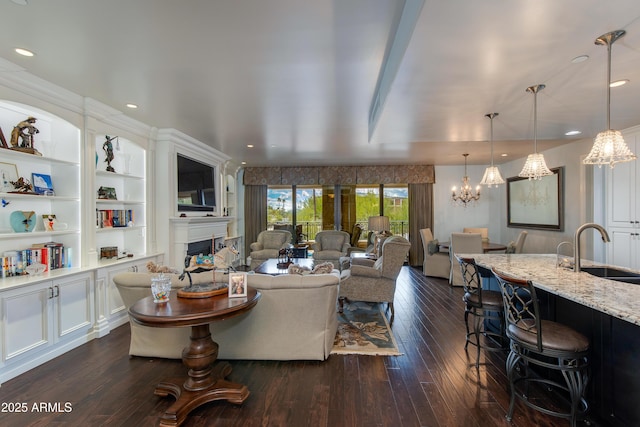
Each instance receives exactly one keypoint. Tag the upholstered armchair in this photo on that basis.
(436, 263)
(375, 282)
(268, 245)
(330, 246)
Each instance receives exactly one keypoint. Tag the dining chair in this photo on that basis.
(462, 243)
(544, 344)
(484, 232)
(435, 263)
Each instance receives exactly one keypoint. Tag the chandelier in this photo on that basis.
(465, 195)
(491, 175)
(535, 167)
(609, 147)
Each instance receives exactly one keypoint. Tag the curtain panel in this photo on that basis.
(255, 214)
(420, 216)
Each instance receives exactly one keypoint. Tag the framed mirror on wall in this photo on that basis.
(536, 204)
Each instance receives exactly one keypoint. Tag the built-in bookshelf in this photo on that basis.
(58, 145)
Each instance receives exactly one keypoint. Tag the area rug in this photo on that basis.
(363, 329)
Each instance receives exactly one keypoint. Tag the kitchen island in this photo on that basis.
(606, 311)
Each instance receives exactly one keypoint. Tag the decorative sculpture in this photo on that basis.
(108, 150)
(22, 136)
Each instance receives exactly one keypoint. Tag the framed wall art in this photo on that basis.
(536, 204)
(8, 173)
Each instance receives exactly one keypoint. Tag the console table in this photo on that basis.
(205, 382)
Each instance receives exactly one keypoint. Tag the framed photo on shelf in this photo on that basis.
(8, 173)
(42, 183)
(237, 285)
(3, 142)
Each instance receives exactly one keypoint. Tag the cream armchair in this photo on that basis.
(330, 246)
(268, 245)
(375, 282)
(436, 263)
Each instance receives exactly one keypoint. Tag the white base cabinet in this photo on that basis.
(43, 320)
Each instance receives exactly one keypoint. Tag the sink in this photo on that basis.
(613, 273)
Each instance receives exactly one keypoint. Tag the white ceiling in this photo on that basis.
(297, 78)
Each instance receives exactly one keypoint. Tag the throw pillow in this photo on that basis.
(433, 247)
(323, 268)
(511, 247)
(298, 269)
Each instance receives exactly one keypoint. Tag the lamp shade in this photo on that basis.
(379, 223)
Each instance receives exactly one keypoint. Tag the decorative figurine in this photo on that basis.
(22, 136)
(108, 150)
(22, 185)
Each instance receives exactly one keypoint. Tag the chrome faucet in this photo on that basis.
(576, 241)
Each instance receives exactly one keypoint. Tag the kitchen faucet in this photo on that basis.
(576, 241)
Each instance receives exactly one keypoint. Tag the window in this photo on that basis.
(279, 206)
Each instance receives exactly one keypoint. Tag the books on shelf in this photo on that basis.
(109, 218)
(51, 254)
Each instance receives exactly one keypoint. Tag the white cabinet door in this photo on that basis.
(27, 323)
(624, 248)
(622, 195)
(73, 304)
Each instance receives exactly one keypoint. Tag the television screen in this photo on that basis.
(196, 185)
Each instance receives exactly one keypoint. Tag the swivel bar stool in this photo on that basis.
(483, 305)
(545, 344)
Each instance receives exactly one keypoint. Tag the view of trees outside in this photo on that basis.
(309, 207)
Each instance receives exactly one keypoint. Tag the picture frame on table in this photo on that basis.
(536, 204)
(42, 183)
(8, 173)
(237, 285)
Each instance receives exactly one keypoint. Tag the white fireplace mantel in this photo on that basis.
(185, 230)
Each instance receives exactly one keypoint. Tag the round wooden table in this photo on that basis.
(205, 382)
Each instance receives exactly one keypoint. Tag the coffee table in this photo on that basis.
(270, 266)
(205, 382)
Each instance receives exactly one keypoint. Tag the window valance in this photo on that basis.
(346, 175)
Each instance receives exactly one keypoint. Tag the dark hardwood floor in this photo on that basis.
(434, 383)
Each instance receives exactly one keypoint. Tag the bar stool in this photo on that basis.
(483, 305)
(542, 343)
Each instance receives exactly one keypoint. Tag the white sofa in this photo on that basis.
(295, 319)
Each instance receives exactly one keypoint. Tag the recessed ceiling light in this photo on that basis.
(132, 106)
(503, 155)
(579, 59)
(572, 132)
(243, 163)
(20, 2)
(618, 83)
(23, 52)
(249, 145)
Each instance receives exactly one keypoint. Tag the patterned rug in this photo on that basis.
(363, 329)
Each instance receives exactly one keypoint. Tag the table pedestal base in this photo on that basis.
(204, 384)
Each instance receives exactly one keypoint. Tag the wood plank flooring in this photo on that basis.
(434, 383)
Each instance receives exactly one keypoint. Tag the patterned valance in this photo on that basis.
(344, 175)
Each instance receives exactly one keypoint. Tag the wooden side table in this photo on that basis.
(205, 382)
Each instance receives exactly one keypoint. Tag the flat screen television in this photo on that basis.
(196, 185)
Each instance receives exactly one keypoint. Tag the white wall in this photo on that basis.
(580, 197)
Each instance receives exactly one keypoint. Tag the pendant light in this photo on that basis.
(491, 175)
(609, 147)
(535, 167)
(466, 194)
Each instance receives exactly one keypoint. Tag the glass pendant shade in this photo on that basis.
(492, 176)
(535, 167)
(609, 147)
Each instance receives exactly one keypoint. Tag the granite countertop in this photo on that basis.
(618, 299)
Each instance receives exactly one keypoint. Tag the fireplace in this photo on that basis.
(194, 235)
